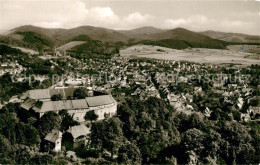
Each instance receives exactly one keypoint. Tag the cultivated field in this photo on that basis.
(198, 55)
(70, 45)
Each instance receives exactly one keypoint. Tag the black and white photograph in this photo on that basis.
(131, 82)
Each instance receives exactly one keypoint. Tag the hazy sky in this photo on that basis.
(221, 15)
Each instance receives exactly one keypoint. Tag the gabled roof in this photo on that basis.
(78, 130)
(39, 94)
(53, 136)
(60, 105)
(79, 104)
(27, 104)
(100, 100)
(45, 106)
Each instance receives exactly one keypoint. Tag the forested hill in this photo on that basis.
(179, 38)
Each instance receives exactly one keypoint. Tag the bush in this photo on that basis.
(57, 97)
(79, 93)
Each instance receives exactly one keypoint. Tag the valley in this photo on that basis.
(197, 55)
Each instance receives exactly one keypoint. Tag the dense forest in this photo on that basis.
(93, 48)
(142, 132)
(182, 44)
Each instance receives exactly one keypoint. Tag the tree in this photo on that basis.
(23, 154)
(47, 122)
(42, 159)
(5, 148)
(8, 126)
(79, 93)
(67, 120)
(236, 115)
(254, 102)
(57, 97)
(193, 141)
(67, 141)
(212, 144)
(240, 142)
(27, 134)
(107, 134)
(129, 154)
(91, 115)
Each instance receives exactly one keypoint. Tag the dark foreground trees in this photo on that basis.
(143, 132)
(107, 135)
(153, 133)
(20, 138)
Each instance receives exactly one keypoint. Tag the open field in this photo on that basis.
(70, 45)
(198, 55)
(26, 50)
(245, 48)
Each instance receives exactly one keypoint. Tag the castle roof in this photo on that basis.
(45, 106)
(100, 100)
(40, 94)
(60, 105)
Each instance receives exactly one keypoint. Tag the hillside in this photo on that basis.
(97, 33)
(7, 50)
(14, 42)
(232, 37)
(49, 33)
(85, 44)
(141, 33)
(39, 39)
(31, 36)
(180, 38)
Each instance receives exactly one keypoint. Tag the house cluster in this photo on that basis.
(145, 78)
(125, 77)
(235, 94)
(12, 68)
(180, 101)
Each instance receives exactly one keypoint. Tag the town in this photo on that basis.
(94, 89)
(160, 82)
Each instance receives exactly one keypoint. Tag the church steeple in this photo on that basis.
(89, 88)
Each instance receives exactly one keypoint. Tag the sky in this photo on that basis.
(239, 16)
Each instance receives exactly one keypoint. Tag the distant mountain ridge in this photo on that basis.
(179, 38)
(232, 37)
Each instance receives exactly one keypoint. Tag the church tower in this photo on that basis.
(89, 88)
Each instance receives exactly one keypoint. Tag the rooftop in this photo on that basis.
(79, 130)
(100, 100)
(60, 105)
(45, 106)
(53, 135)
(40, 94)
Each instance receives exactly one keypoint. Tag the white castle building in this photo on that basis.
(39, 101)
